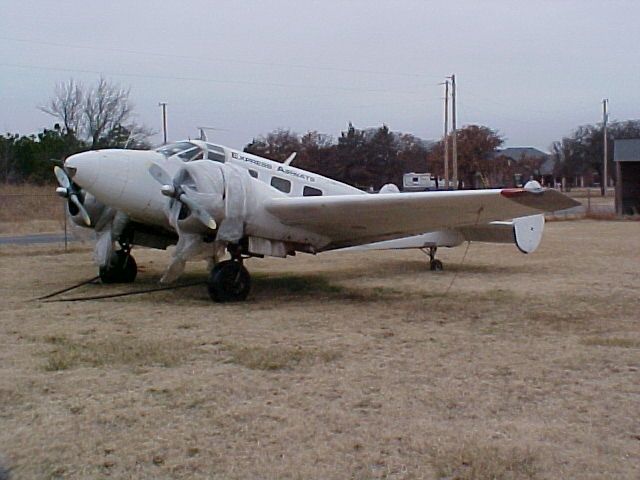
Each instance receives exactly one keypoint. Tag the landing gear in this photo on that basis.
(122, 268)
(229, 281)
(434, 264)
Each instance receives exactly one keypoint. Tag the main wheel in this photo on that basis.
(122, 268)
(436, 265)
(229, 281)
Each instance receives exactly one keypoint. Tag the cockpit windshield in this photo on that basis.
(188, 151)
(174, 148)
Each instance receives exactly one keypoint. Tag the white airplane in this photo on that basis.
(210, 200)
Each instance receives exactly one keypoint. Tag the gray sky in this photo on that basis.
(533, 70)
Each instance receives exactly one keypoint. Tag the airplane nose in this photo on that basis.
(83, 168)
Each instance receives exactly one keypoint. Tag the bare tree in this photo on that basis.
(67, 105)
(106, 107)
(100, 116)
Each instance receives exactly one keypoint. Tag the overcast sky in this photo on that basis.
(533, 70)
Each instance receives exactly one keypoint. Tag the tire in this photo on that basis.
(229, 281)
(122, 268)
(436, 266)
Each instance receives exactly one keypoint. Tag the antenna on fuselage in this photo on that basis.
(290, 158)
(203, 133)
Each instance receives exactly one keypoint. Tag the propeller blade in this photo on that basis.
(62, 177)
(198, 211)
(83, 212)
(160, 174)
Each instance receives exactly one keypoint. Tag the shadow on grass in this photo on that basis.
(315, 287)
(387, 269)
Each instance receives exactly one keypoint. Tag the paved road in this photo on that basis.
(39, 238)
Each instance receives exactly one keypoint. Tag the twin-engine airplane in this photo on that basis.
(211, 200)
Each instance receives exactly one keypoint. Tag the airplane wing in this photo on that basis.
(357, 219)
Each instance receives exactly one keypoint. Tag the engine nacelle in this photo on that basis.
(203, 181)
(389, 188)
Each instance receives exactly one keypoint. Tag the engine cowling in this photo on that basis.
(205, 197)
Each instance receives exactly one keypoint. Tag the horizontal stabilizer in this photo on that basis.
(524, 232)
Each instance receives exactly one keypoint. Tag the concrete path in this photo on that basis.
(38, 238)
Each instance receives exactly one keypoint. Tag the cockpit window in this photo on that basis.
(173, 148)
(215, 153)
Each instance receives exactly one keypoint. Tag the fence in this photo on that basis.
(34, 213)
(37, 212)
(594, 205)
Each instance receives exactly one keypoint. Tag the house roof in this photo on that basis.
(547, 166)
(626, 150)
(516, 153)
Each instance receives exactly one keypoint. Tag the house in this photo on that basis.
(626, 156)
(535, 163)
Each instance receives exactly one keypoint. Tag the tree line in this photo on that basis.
(102, 116)
(582, 152)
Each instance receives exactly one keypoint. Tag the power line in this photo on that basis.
(454, 132)
(605, 173)
(209, 80)
(200, 59)
(164, 121)
(446, 134)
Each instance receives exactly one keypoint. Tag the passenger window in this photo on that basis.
(311, 192)
(253, 173)
(281, 184)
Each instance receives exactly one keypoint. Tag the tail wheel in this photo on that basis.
(122, 268)
(436, 265)
(229, 281)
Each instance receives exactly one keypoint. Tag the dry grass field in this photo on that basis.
(28, 209)
(338, 366)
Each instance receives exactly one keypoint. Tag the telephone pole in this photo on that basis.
(164, 121)
(446, 134)
(605, 175)
(454, 148)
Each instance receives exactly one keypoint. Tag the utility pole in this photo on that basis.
(454, 132)
(164, 121)
(446, 134)
(605, 175)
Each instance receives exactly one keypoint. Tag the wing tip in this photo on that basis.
(548, 200)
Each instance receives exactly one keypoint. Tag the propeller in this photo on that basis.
(181, 193)
(68, 190)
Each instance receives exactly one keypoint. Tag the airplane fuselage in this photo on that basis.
(120, 178)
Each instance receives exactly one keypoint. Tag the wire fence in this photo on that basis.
(34, 217)
(41, 217)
